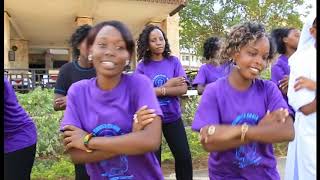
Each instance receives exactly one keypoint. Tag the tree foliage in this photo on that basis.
(201, 19)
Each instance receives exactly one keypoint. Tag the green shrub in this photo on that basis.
(38, 104)
(266, 74)
(189, 107)
(53, 168)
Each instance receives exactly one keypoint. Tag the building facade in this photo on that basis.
(36, 32)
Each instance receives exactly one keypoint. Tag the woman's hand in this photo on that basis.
(73, 137)
(277, 116)
(283, 84)
(221, 132)
(303, 82)
(173, 82)
(142, 118)
(61, 102)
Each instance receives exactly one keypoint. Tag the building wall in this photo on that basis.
(190, 61)
(6, 29)
(171, 27)
(21, 54)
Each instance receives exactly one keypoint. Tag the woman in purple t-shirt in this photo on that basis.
(286, 41)
(20, 137)
(97, 124)
(168, 77)
(211, 70)
(240, 116)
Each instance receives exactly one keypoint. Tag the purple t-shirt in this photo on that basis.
(160, 72)
(19, 129)
(278, 71)
(110, 113)
(223, 104)
(209, 73)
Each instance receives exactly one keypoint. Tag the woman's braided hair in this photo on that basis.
(242, 35)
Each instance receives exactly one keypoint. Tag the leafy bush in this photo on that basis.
(189, 107)
(266, 74)
(53, 168)
(38, 104)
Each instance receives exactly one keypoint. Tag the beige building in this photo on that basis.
(36, 32)
(189, 60)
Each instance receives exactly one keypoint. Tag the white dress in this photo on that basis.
(301, 156)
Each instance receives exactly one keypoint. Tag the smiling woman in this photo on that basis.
(236, 125)
(102, 113)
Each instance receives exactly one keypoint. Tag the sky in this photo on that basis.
(302, 8)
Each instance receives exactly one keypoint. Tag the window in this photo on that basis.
(57, 64)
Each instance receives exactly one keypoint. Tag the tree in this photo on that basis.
(201, 19)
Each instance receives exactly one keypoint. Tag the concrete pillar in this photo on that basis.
(84, 20)
(48, 60)
(6, 28)
(171, 28)
(21, 54)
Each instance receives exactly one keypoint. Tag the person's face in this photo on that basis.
(313, 31)
(252, 58)
(109, 52)
(156, 42)
(292, 39)
(83, 48)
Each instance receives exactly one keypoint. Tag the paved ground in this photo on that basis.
(203, 174)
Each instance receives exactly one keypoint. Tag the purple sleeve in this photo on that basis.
(200, 79)
(71, 114)
(276, 74)
(145, 95)
(139, 69)
(208, 110)
(275, 99)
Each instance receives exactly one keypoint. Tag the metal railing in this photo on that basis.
(25, 80)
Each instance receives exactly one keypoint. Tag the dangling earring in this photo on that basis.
(235, 64)
(90, 57)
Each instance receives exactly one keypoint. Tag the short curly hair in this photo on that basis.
(211, 48)
(77, 37)
(277, 36)
(241, 35)
(143, 44)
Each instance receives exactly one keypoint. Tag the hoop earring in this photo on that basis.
(127, 62)
(90, 57)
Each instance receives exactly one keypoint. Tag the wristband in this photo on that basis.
(86, 140)
(244, 129)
